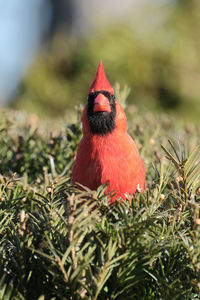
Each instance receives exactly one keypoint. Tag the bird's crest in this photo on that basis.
(101, 82)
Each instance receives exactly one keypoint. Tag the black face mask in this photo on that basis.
(101, 122)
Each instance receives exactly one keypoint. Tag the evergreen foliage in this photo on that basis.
(61, 243)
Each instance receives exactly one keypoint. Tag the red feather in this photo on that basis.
(101, 82)
(111, 159)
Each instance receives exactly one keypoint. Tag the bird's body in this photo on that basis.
(108, 155)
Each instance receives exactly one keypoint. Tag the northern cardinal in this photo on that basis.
(106, 153)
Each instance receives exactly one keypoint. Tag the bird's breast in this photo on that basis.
(111, 159)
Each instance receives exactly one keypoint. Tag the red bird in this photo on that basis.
(106, 153)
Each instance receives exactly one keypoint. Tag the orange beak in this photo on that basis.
(101, 103)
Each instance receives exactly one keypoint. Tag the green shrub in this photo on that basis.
(61, 243)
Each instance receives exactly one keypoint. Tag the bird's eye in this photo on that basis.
(114, 97)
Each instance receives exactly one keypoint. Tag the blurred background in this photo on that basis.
(50, 50)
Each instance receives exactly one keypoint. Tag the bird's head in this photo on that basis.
(101, 107)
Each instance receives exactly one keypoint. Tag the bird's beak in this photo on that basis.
(101, 103)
